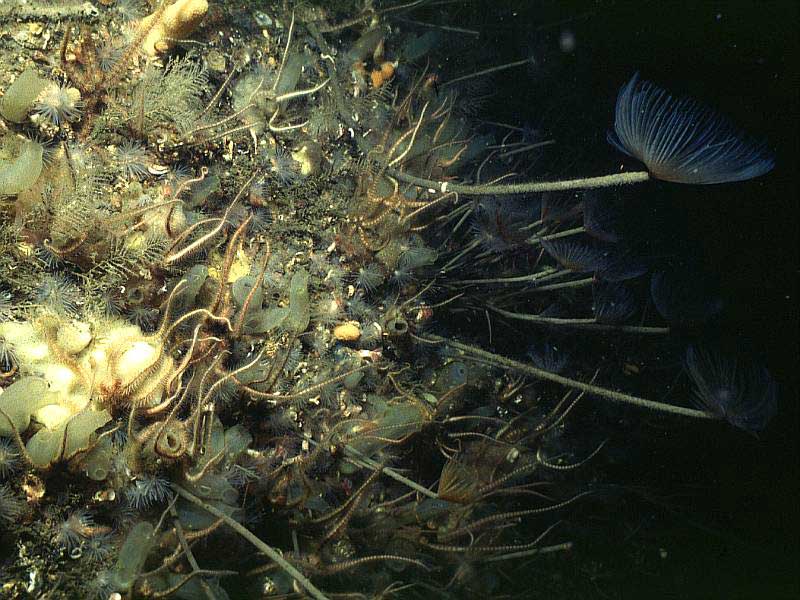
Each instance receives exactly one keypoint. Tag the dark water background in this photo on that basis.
(730, 526)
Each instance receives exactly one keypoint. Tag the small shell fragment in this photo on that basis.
(158, 169)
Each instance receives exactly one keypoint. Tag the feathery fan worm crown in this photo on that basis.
(682, 141)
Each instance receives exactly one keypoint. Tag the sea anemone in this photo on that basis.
(371, 335)
(49, 258)
(328, 390)
(621, 263)
(147, 490)
(328, 311)
(682, 141)
(557, 207)
(262, 219)
(369, 277)
(282, 166)
(548, 357)
(123, 516)
(743, 394)
(601, 216)
(322, 123)
(59, 104)
(685, 294)
(111, 302)
(11, 507)
(293, 359)
(222, 395)
(82, 157)
(75, 529)
(102, 587)
(335, 276)
(613, 302)
(179, 174)
(108, 54)
(319, 342)
(579, 256)
(99, 547)
(9, 457)
(401, 277)
(58, 293)
(361, 310)
(132, 160)
(499, 223)
(8, 356)
(144, 316)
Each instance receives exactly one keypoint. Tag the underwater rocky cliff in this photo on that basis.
(288, 309)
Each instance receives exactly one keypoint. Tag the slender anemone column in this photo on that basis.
(530, 187)
(537, 373)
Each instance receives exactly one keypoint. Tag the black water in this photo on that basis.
(730, 526)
